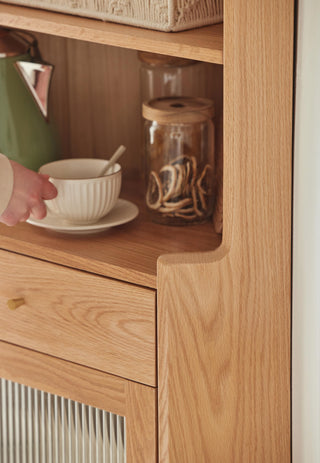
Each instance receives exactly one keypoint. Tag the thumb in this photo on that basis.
(49, 191)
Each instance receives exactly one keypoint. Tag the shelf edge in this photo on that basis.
(204, 44)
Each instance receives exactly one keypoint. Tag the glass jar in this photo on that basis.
(162, 75)
(179, 153)
(165, 76)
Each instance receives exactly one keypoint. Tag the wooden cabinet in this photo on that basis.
(135, 401)
(221, 392)
(87, 319)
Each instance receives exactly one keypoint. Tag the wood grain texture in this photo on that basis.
(95, 111)
(203, 44)
(224, 318)
(87, 319)
(134, 401)
(128, 253)
(217, 217)
(94, 107)
(65, 379)
(224, 315)
(141, 413)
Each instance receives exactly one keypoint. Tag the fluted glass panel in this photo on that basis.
(38, 427)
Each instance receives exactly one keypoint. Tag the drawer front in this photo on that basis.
(87, 319)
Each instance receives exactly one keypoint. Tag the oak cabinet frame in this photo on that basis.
(223, 315)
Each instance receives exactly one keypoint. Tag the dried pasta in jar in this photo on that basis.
(179, 152)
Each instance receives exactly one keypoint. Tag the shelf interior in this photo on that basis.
(203, 44)
(128, 252)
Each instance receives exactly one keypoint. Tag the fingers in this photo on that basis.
(24, 217)
(29, 192)
(49, 191)
(9, 218)
(39, 211)
(13, 217)
(46, 176)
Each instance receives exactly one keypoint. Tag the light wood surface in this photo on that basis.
(224, 311)
(142, 438)
(92, 105)
(218, 205)
(90, 320)
(128, 252)
(224, 320)
(203, 44)
(134, 401)
(90, 95)
(65, 379)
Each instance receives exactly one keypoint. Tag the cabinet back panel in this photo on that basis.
(95, 98)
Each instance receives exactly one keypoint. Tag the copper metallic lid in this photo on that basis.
(11, 44)
(156, 59)
(178, 110)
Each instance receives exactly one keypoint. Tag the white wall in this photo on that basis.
(306, 239)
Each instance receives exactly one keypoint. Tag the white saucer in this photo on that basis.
(123, 212)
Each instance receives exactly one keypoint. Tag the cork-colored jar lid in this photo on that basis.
(10, 44)
(178, 110)
(157, 59)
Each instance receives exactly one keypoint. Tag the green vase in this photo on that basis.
(27, 134)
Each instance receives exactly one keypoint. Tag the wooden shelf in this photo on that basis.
(203, 44)
(128, 252)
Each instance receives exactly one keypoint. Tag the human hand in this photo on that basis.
(30, 189)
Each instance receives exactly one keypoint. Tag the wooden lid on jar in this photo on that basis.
(178, 110)
(157, 59)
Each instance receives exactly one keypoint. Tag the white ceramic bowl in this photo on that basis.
(83, 198)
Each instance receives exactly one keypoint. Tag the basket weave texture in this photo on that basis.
(163, 15)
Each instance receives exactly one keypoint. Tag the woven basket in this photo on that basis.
(163, 15)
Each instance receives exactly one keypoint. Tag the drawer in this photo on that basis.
(91, 320)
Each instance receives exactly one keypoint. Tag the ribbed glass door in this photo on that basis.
(38, 427)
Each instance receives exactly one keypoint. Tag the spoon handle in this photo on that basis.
(119, 152)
